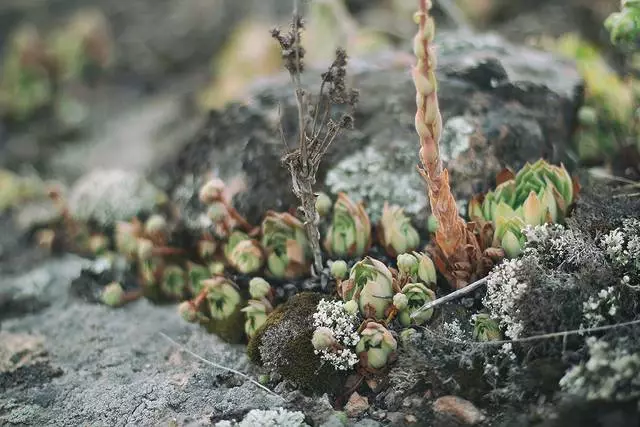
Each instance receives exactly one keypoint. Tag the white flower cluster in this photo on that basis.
(453, 331)
(622, 245)
(596, 309)
(343, 325)
(278, 417)
(503, 292)
(611, 373)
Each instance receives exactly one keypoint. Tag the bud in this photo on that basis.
(112, 295)
(339, 269)
(351, 307)
(426, 269)
(155, 225)
(400, 301)
(216, 268)
(407, 336)
(323, 338)
(407, 264)
(98, 244)
(432, 224)
(259, 288)
(145, 249)
(323, 204)
(217, 212)
(126, 239)
(206, 249)
(212, 191)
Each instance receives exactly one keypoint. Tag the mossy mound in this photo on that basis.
(283, 344)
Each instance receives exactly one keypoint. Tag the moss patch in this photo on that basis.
(283, 344)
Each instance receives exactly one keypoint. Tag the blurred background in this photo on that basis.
(121, 83)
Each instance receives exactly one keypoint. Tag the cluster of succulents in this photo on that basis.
(624, 26)
(34, 67)
(380, 299)
(539, 193)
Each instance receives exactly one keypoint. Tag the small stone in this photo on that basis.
(461, 409)
(411, 419)
(17, 350)
(356, 406)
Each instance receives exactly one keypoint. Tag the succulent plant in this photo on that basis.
(112, 295)
(400, 301)
(256, 312)
(25, 84)
(323, 204)
(222, 297)
(323, 338)
(259, 288)
(156, 228)
(174, 282)
(285, 242)
(426, 270)
(197, 274)
(244, 253)
(212, 191)
(537, 194)
(98, 244)
(417, 296)
(371, 285)
(339, 269)
(376, 347)
(395, 232)
(349, 234)
(624, 26)
(206, 249)
(485, 328)
(126, 238)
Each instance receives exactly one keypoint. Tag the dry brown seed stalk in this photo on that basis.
(315, 135)
(451, 233)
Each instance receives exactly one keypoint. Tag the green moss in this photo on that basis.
(283, 344)
(230, 329)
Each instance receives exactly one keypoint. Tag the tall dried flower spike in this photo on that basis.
(461, 251)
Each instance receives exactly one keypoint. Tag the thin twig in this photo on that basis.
(215, 365)
(449, 297)
(562, 334)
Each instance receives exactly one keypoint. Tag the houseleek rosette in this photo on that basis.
(395, 232)
(349, 234)
(376, 346)
(285, 242)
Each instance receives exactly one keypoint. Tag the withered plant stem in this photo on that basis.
(450, 235)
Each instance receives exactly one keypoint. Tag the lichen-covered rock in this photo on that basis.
(283, 345)
(107, 196)
(502, 106)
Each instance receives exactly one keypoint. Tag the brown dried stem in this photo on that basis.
(315, 138)
(451, 232)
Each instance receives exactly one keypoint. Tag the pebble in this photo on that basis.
(356, 406)
(461, 409)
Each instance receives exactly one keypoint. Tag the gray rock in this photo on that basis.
(111, 195)
(502, 105)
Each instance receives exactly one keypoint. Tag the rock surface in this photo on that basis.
(502, 106)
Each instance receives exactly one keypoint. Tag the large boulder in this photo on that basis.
(503, 105)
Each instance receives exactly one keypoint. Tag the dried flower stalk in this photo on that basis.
(316, 131)
(461, 251)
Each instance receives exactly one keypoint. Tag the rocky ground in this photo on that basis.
(65, 360)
